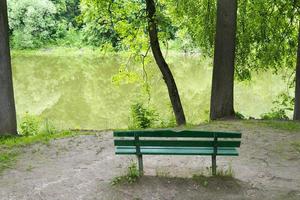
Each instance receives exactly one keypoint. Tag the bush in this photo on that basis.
(275, 115)
(30, 125)
(69, 36)
(22, 40)
(142, 117)
(32, 22)
(282, 105)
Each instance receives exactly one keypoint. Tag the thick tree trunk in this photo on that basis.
(163, 66)
(7, 103)
(224, 56)
(297, 91)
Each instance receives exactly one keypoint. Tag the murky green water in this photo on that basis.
(78, 92)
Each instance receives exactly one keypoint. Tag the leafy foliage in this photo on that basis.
(30, 125)
(31, 22)
(199, 20)
(282, 105)
(123, 24)
(34, 24)
(267, 35)
(68, 12)
(275, 115)
(142, 117)
(266, 32)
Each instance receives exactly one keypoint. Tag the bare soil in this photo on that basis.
(83, 167)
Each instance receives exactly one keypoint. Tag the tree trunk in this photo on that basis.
(163, 66)
(224, 57)
(297, 90)
(7, 103)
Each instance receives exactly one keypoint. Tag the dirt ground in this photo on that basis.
(83, 167)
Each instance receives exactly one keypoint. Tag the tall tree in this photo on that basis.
(297, 90)
(224, 57)
(7, 104)
(134, 22)
(162, 64)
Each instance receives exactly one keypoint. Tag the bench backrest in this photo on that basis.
(184, 138)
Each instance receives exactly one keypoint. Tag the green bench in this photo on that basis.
(170, 142)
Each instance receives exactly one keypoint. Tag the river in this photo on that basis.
(78, 91)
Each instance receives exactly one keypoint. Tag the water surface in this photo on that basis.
(78, 91)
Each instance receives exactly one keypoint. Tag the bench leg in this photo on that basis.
(214, 165)
(140, 162)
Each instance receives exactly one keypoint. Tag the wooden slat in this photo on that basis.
(177, 151)
(172, 133)
(176, 143)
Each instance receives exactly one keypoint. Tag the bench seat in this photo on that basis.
(222, 151)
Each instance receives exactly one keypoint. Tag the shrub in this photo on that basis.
(132, 173)
(30, 125)
(282, 105)
(31, 22)
(275, 115)
(142, 117)
(166, 123)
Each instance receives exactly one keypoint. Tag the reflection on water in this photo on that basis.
(77, 91)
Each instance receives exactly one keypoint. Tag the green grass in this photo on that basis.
(10, 146)
(283, 125)
(225, 172)
(62, 51)
(205, 176)
(7, 159)
(291, 126)
(131, 176)
(19, 141)
(162, 173)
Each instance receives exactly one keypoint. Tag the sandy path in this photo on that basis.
(82, 167)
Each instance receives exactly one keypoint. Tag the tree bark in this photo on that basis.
(297, 90)
(8, 123)
(224, 57)
(162, 64)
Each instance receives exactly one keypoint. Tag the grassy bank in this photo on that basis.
(11, 146)
(87, 51)
(290, 126)
(62, 51)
